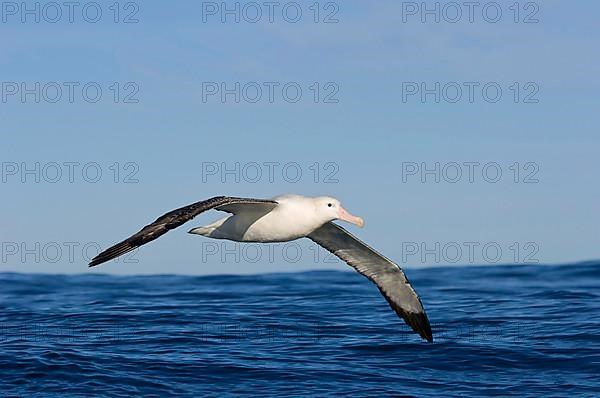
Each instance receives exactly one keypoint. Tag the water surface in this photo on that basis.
(511, 330)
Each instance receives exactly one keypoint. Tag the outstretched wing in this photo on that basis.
(264, 206)
(172, 220)
(386, 274)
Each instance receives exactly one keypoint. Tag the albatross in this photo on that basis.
(283, 219)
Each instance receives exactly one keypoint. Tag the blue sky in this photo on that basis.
(362, 140)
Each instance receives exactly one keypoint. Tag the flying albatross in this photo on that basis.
(285, 218)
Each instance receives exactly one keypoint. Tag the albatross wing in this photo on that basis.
(386, 274)
(172, 220)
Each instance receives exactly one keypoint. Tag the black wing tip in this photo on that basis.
(419, 322)
(112, 252)
(97, 261)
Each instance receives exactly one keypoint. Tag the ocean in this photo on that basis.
(525, 331)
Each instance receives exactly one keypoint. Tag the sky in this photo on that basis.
(461, 134)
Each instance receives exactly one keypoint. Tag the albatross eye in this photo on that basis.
(329, 205)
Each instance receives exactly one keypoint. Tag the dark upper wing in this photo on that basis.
(386, 274)
(169, 221)
(257, 207)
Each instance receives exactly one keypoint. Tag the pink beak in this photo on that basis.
(345, 216)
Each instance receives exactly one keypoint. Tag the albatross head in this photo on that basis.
(331, 209)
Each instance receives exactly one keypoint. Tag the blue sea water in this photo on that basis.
(507, 330)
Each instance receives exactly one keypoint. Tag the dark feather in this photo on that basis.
(167, 222)
(386, 274)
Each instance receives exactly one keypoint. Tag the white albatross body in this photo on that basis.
(285, 218)
(291, 218)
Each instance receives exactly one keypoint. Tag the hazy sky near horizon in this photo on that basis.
(461, 135)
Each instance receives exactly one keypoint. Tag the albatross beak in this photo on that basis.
(345, 216)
